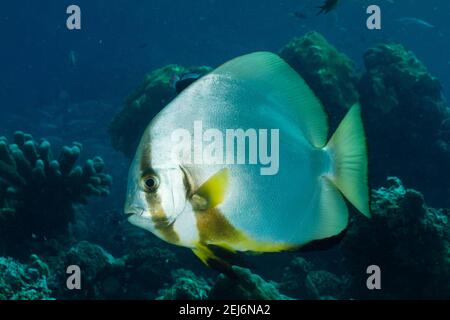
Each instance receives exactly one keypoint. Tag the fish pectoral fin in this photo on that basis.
(220, 258)
(212, 192)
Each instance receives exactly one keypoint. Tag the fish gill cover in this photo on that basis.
(61, 202)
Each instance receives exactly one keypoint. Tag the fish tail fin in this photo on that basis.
(348, 150)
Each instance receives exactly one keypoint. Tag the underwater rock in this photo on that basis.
(246, 286)
(143, 104)
(324, 285)
(409, 241)
(138, 275)
(101, 273)
(302, 280)
(92, 259)
(396, 78)
(405, 117)
(150, 268)
(24, 282)
(294, 276)
(187, 286)
(37, 190)
(329, 73)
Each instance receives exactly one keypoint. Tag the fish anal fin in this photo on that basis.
(218, 258)
(212, 193)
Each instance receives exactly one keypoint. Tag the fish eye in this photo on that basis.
(151, 183)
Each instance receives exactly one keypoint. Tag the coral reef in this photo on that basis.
(324, 285)
(409, 241)
(138, 275)
(150, 269)
(24, 282)
(187, 286)
(42, 197)
(143, 104)
(102, 274)
(37, 191)
(302, 280)
(405, 118)
(246, 286)
(294, 275)
(395, 78)
(329, 73)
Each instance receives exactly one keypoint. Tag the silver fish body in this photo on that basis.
(256, 205)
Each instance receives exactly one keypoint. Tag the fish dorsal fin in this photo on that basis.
(212, 192)
(269, 74)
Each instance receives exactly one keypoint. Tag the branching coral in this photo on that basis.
(330, 73)
(409, 241)
(144, 103)
(37, 191)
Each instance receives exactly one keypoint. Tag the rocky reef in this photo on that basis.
(396, 79)
(144, 103)
(408, 240)
(302, 280)
(38, 191)
(330, 73)
(245, 286)
(45, 226)
(138, 275)
(186, 286)
(406, 118)
(24, 281)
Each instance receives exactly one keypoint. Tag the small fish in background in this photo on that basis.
(327, 6)
(299, 15)
(407, 21)
(179, 83)
(143, 45)
(73, 58)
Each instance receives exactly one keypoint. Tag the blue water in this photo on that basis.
(36, 44)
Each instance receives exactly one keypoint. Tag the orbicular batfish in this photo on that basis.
(240, 161)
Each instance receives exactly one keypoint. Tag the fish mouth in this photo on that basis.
(128, 215)
(133, 211)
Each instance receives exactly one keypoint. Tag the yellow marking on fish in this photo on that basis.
(213, 191)
(214, 228)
